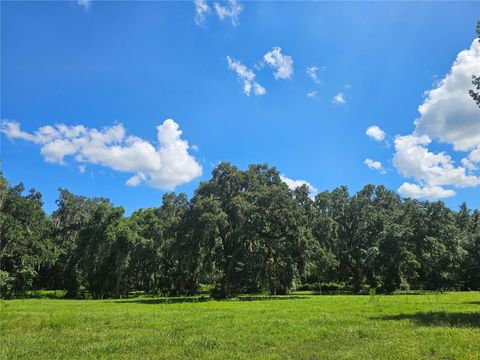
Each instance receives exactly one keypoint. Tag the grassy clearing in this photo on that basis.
(300, 326)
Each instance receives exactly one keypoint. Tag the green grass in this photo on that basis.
(300, 326)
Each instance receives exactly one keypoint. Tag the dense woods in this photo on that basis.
(242, 231)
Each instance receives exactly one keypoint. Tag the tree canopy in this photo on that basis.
(242, 231)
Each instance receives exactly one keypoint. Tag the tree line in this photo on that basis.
(242, 231)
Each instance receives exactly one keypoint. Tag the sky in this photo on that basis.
(128, 100)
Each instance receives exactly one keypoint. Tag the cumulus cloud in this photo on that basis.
(231, 11)
(449, 114)
(163, 166)
(375, 133)
(339, 99)
(85, 3)
(201, 10)
(312, 72)
(293, 184)
(424, 192)
(247, 77)
(431, 170)
(375, 165)
(283, 64)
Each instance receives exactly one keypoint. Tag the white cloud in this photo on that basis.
(468, 164)
(201, 10)
(13, 131)
(339, 99)
(413, 160)
(136, 180)
(475, 155)
(246, 76)
(449, 114)
(164, 166)
(375, 165)
(82, 168)
(258, 89)
(231, 11)
(471, 161)
(426, 192)
(283, 64)
(375, 133)
(312, 94)
(312, 72)
(293, 184)
(85, 3)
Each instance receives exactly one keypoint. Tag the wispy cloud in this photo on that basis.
(85, 4)
(201, 10)
(312, 94)
(283, 64)
(247, 77)
(339, 99)
(312, 72)
(231, 11)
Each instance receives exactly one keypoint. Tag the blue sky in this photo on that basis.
(134, 65)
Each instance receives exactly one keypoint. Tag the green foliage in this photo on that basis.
(244, 231)
(476, 78)
(475, 94)
(25, 244)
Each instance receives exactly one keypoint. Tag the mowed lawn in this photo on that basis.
(300, 326)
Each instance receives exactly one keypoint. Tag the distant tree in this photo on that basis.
(360, 226)
(396, 259)
(25, 238)
(103, 253)
(471, 264)
(319, 256)
(438, 247)
(72, 214)
(156, 261)
(476, 78)
(249, 227)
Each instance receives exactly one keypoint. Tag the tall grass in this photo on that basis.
(299, 326)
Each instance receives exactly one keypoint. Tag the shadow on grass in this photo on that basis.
(439, 318)
(473, 302)
(178, 300)
(167, 300)
(268, 298)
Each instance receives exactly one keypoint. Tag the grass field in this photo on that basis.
(300, 326)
